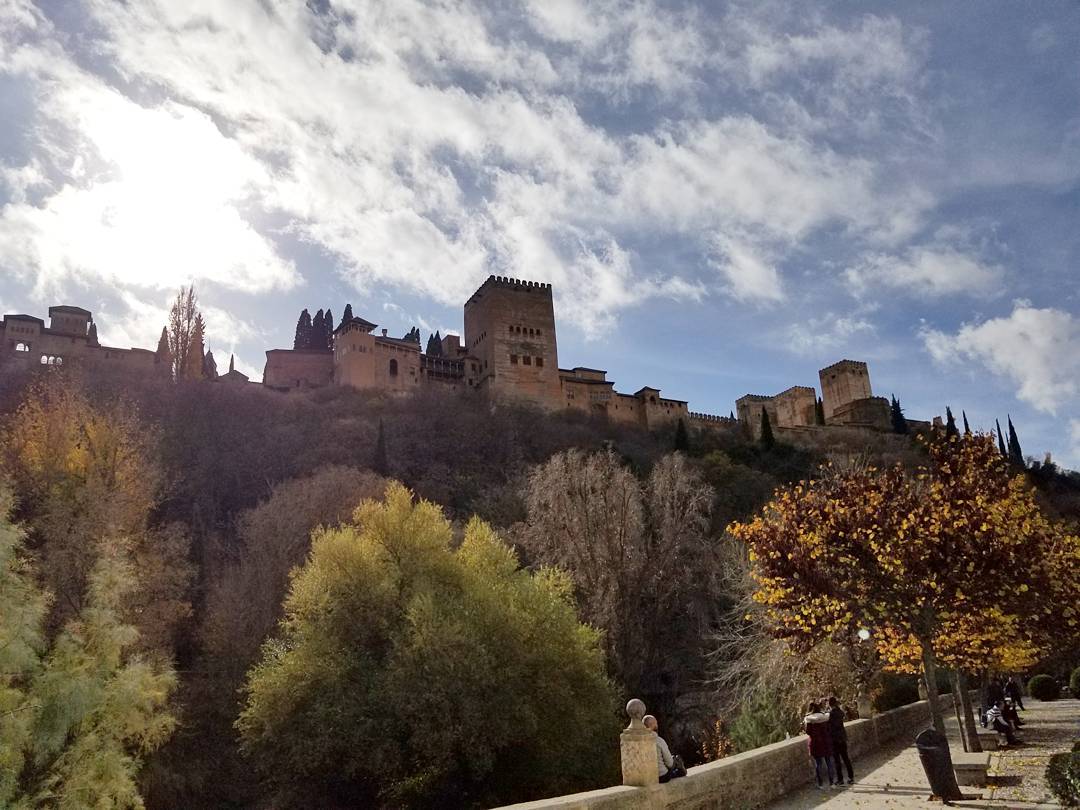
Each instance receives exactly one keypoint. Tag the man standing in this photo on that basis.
(1013, 691)
(839, 742)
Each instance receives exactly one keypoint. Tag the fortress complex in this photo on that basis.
(509, 352)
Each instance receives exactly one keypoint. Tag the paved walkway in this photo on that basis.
(893, 778)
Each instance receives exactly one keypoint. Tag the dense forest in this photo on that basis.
(231, 597)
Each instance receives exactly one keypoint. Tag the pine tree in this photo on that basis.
(682, 437)
(967, 427)
(899, 423)
(379, 462)
(1001, 440)
(819, 411)
(303, 330)
(209, 369)
(163, 356)
(347, 315)
(768, 441)
(91, 335)
(950, 424)
(1016, 455)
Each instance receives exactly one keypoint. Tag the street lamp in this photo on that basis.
(863, 634)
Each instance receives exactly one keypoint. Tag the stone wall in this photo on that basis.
(750, 779)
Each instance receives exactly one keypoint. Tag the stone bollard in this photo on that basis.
(637, 747)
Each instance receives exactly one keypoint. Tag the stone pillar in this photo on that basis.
(637, 746)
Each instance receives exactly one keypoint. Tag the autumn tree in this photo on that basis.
(77, 714)
(186, 335)
(910, 555)
(408, 674)
(86, 476)
(639, 555)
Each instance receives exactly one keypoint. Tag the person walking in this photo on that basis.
(838, 735)
(816, 724)
(1015, 693)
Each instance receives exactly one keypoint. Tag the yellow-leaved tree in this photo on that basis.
(953, 561)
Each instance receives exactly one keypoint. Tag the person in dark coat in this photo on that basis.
(1015, 693)
(839, 742)
(816, 724)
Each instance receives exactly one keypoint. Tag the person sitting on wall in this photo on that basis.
(1015, 693)
(839, 742)
(816, 725)
(1008, 711)
(996, 721)
(670, 767)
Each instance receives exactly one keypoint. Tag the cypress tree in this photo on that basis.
(163, 355)
(950, 424)
(433, 346)
(195, 358)
(899, 423)
(819, 411)
(328, 328)
(682, 437)
(318, 332)
(768, 441)
(967, 427)
(303, 331)
(232, 363)
(1001, 440)
(209, 367)
(731, 415)
(1016, 455)
(91, 335)
(347, 315)
(379, 462)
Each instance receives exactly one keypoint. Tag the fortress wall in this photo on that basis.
(298, 368)
(750, 779)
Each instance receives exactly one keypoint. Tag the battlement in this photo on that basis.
(515, 284)
(844, 365)
(798, 389)
(753, 398)
(712, 419)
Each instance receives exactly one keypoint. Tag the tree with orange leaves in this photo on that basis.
(937, 562)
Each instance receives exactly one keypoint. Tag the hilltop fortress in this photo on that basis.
(509, 352)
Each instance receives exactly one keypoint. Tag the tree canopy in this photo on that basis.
(410, 674)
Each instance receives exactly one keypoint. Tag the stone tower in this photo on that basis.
(510, 330)
(843, 383)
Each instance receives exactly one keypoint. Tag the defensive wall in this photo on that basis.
(750, 779)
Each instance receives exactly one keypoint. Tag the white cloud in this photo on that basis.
(927, 271)
(825, 334)
(1038, 350)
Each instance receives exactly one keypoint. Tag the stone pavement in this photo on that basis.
(892, 777)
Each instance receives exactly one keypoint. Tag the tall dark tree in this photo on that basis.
(303, 331)
(318, 332)
(1016, 455)
(91, 335)
(347, 315)
(967, 427)
(209, 369)
(413, 335)
(731, 415)
(768, 441)
(899, 423)
(682, 437)
(328, 327)
(434, 346)
(950, 424)
(1001, 440)
(163, 355)
(232, 363)
(379, 462)
(819, 411)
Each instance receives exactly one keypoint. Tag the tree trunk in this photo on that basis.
(930, 673)
(958, 708)
(970, 729)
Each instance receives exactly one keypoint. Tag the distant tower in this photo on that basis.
(510, 330)
(843, 383)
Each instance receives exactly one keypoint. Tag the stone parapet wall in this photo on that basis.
(750, 779)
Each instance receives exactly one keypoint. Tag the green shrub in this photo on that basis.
(1043, 687)
(1063, 776)
(1074, 683)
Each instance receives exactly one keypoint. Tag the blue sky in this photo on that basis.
(726, 197)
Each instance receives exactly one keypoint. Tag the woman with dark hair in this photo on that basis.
(816, 724)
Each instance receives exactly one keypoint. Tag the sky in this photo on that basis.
(726, 197)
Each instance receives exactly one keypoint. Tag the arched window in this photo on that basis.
(22, 347)
(393, 368)
(44, 359)
(59, 361)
